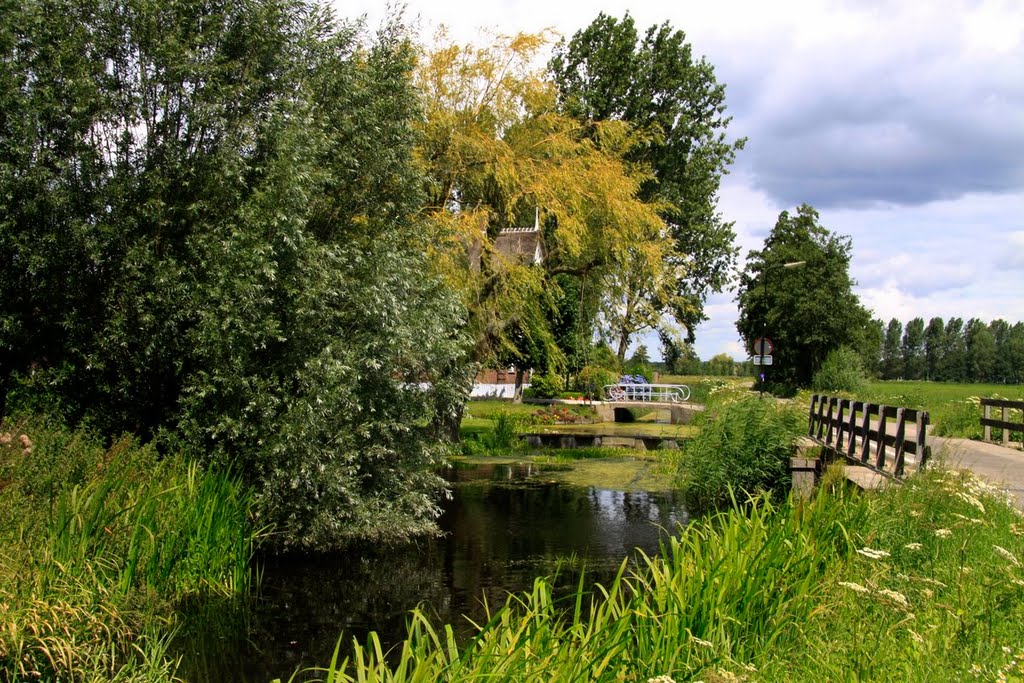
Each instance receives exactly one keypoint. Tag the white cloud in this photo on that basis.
(1011, 255)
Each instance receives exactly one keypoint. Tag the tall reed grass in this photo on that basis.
(744, 445)
(101, 544)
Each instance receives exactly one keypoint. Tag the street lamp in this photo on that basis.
(764, 319)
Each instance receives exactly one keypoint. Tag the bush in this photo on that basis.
(548, 385)
(746, 446)
(841, 371)
(592, 380)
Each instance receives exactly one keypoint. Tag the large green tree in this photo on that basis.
(892, 358)
(208, 232)
(912, 350)
(981, 351)
(953, 362)
(797, 291)
(607, 72)
(934, 346)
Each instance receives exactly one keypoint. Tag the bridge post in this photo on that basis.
(804, 472)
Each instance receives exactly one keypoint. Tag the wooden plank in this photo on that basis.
(880, 438)
(841, 423)
(851, 447)
(865, 431)
(925, 451)
(810, 416)
(1010, 426)
(987, 415)
(829, 420)
(1002, 403)
(899, 446)
(865, 477)
(921, 423)
(821, 423)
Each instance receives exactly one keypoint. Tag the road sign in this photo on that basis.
(763, 347)
(763, 360)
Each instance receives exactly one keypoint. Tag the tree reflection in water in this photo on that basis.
(504, 526)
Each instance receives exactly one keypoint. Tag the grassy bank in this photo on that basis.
(101, 545)
(923, 582)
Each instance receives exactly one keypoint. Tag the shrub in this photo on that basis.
(547, 385)
(592, 380)
(841, 371)
(746, 446)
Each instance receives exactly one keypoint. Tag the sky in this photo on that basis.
(901, 122)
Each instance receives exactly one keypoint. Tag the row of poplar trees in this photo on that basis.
(952, 351)
(243, 228)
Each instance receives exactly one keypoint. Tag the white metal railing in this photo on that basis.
(662, 393)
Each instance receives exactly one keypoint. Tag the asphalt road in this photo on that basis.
(996, 464)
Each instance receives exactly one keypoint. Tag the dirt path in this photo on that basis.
(996, 464)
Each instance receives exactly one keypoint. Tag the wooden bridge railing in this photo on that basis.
(1007, 426)
(863, 433)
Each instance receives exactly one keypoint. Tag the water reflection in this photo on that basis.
(504, 526)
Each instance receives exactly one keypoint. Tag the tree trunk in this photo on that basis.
(623, 346)
(517, 394)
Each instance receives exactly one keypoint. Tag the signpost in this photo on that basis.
(763, 347)
(762, 351)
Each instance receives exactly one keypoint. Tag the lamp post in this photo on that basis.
(764, 319)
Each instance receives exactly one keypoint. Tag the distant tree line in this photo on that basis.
(951, 351)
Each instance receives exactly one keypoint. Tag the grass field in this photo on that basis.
(931, 395)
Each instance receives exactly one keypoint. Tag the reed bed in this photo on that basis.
(101, 544)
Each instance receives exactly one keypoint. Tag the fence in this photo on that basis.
(837, 424)
(1006, 425)
(662, 393)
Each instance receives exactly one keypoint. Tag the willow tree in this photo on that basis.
(498, 154)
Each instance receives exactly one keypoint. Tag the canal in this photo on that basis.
(504, 525)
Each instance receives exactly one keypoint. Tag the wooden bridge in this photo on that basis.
(879, 442)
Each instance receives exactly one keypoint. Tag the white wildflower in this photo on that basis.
(854, 587)
(929, 580)
(1007, 554)
(702, 643)
(967, 498)
(972, 520)
(1007, 650)
(917, 638)
(661, 679)
(943, 533)
(913, 546)
(898, 598)
(873, 554)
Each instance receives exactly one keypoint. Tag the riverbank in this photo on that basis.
(919, 582)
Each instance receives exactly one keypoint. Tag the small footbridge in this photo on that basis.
(623, 398)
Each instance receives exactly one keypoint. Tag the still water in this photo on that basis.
(504, 526)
